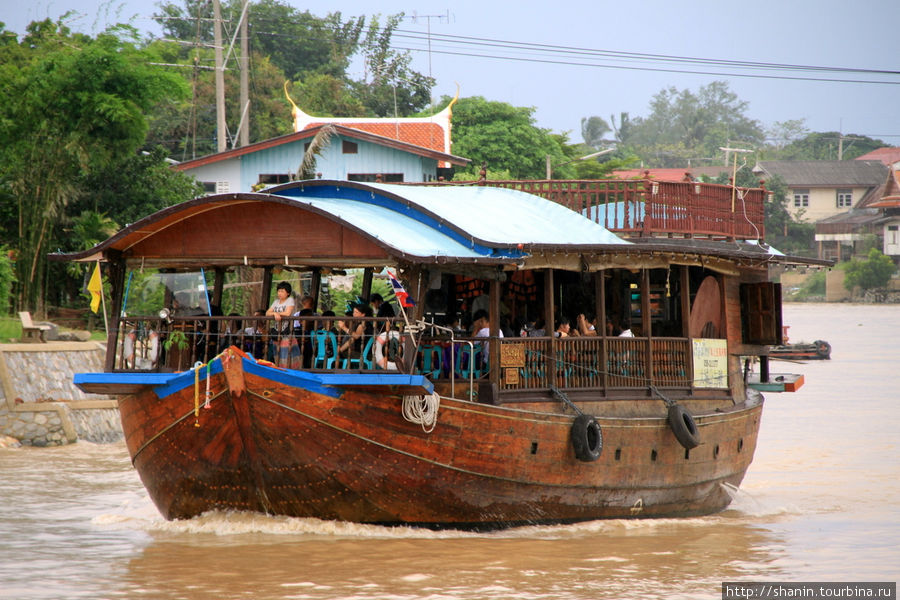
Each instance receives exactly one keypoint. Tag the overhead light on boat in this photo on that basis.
(164, 314)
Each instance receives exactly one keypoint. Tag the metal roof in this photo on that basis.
(491, 221)
(395, 230)
(828, 173)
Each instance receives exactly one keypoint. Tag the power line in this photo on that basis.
(545, 54)
(458, 39)
(655, 69)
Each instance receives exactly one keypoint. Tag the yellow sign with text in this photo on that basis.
(710, 363)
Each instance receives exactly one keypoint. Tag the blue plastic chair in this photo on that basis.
(432, 360)
(470, 361)
(367, 359)
(322, 341)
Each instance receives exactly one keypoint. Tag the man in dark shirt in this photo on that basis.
(382, 309)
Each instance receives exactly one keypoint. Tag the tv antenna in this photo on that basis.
(415, 19)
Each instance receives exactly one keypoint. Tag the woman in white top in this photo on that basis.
(282, 307)
(287, 354)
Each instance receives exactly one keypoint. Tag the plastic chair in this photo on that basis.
(432, 362)
(366, 360)
(323, 341)
(470, 362)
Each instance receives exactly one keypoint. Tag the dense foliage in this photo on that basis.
(73, 109)
(872, 273)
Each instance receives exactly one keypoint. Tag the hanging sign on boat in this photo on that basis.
(710, 363)
(512, 355)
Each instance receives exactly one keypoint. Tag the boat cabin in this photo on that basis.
(594, 291)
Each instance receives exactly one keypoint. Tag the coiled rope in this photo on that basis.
(422, 410)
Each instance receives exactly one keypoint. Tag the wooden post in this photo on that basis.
(685, 278)
(218, 284)
(600, 284)
(116, 275)
(549, 312)
(366, 284)
(315, 286)
(647, 323)
(265, 294)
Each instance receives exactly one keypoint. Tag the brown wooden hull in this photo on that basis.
(274, 448)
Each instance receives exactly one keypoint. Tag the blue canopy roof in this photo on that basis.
(464, 221)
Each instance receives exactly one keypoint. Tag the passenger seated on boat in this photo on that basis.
(586, 326)
(255, 337)
(230, 331)
(303, 329)
(563, 327)
(481, 328)
(382, 309)
(357, 332)
(626, 327)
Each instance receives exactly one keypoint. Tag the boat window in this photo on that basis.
(148, 291)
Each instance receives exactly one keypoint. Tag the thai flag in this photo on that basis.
(402, 296)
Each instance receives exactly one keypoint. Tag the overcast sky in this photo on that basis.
(565, 79)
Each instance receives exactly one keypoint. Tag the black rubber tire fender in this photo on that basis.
(683, 426)
(587, 439)
(823, 348)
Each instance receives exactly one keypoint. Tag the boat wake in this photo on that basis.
(746, 504)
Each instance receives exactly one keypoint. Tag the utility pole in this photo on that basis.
(244, 136)
(221, 135)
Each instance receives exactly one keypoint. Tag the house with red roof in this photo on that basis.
(346, 153)
(887, 156)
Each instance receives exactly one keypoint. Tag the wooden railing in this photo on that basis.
(586, 362)
(648, 207)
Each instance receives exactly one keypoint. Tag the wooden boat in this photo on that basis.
(427, 426)
(817, 350)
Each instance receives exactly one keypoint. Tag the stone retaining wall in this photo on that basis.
(40, 406)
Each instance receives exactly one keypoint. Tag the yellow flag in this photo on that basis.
(95, 287)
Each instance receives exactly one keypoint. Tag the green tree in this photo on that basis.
(593, 131)
(392, 88)
(7, 279)
(186, 126)
(134, 186)
(71, 105)
(505, 137)
(297, 42)
(872, 273)
(683, 125)
(827, 146)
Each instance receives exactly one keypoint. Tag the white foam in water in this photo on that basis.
(750, 505)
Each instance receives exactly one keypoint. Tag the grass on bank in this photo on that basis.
(11, 331)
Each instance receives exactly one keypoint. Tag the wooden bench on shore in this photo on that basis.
(32, 332)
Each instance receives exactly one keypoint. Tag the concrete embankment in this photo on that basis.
(39, 405)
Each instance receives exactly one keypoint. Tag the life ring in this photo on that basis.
(823, 348)
(387, 361)
(587, 439)
(683, 426)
